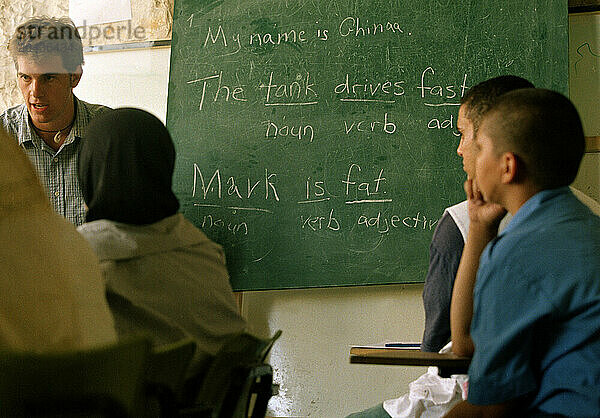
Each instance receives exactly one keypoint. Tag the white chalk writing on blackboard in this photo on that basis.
(214, 186)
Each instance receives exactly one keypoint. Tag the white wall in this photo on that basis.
(319, 325)
(136, 78)
(588, 179)
(584, 88)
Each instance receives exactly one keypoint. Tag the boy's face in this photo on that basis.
(47, 88)
(488, 162)
(466, 147)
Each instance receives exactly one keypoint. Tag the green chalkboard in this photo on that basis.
(316, 139)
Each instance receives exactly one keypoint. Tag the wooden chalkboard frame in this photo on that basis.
(583, 6)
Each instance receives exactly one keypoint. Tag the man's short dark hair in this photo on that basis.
(543, 129)
(43, 36)
(481, 97)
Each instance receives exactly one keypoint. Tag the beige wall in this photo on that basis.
(319, 325)
(584, 90)
(588, 179)
(14, 13)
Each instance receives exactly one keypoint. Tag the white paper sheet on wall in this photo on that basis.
(94, 12)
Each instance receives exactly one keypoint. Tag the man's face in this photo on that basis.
(466, 147)
(488, 162)
(47, 89)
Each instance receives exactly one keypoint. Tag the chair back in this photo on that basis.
(166, 373)
(249, 393)
(238, 382)
(106, 381)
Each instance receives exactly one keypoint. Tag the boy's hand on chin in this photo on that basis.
(480, 211)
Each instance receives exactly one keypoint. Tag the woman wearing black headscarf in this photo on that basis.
(163, 275)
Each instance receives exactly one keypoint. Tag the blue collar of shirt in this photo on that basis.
(531, 205)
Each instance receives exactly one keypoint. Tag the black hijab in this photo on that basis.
(126, 163)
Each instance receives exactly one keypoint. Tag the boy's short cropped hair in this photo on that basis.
(481, 97)
(543, 129)
(42, 36)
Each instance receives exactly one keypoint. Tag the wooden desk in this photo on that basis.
(448, 363)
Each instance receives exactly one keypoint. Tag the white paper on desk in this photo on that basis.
(94, 12)
(429, 396)
(410, 345)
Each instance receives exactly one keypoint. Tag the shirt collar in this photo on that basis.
(82, 118)
(25, 132)
(532, 205)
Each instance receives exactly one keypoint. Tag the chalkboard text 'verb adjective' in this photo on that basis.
(316, 222)
(384, 224)
(386, 126)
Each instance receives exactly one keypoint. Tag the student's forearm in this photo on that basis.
(461, 308)
(465, 409)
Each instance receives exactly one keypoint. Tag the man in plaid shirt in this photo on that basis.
(49, 125)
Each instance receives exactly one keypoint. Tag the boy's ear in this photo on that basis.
(76, 76)
(511, 168)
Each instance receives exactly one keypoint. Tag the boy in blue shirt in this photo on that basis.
(526, 302)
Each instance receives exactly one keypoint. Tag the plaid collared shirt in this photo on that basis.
(57, 170)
